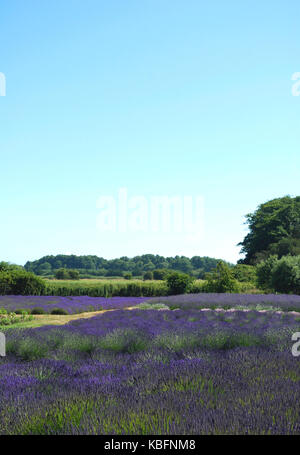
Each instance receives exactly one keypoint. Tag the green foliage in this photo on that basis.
(279, 275)
(160, 274)
(179, 283)
(74, 274)
(264, 271)
(38, 310)
(274, 230)
(221, 280)
(9, 318)
(94, 266)
(18, 281)
(244, 273)
(148, 275)
(107, 288)
(60, 311)
(6, 267)
(285, 276)
(67, 274)
(127, 275)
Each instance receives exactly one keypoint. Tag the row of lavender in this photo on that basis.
(282, 302)
(69, 305)
(150, 372)
(72, 305)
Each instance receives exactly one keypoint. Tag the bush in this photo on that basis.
(285, 275)
(264, 271)
(59, 311)
(179, 283)
(67, 274)
(198, 287)
(9, 318)
(244, 273)
(148, 275)
(127, 275)
(38, 310)
(221, 280)
(160, 274)
(7, 267)
(74, 274)
(20, 282)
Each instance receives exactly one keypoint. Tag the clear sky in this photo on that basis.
(161, 97)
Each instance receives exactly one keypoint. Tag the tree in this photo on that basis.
(160, 274)
(221, 280)
(148, 275)
(285, 276)
(264, 271)
(96, 266)
(62, 274)
(6, 266)
(45, 269)
(21, 282)
(127, 275)
(179, 283)
(244, 273)
(73, 274)
(274, 228)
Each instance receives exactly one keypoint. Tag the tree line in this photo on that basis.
(94, 266)
(271, 262)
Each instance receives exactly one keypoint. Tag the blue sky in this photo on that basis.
(159, 97)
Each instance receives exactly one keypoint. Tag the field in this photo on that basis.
(184, 371)
(65, 305)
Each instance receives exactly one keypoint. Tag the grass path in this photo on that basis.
(52, 319)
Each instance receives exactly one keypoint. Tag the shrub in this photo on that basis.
(20, 282)
(59, 311)
(21, 311)
(179, 283)
(285, 275)
(264, 272)
(73, 274)
(38, 310)
(62, 274)
(197, 287)
(127, 276)
(244, 273)
(148, 275)
(221, 280)
(160, 274)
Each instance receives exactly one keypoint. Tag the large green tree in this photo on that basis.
(274, 229)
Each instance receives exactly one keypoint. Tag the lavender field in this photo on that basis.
(69, 305)
(153, 372)
(280, 302)
(81, 304)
